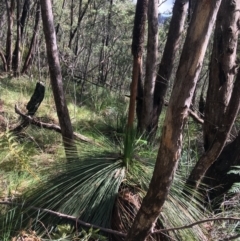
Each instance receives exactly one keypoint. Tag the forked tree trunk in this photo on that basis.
(165, 68)
(171, 140)
(222, 102)
(151, 65)
(56, 77)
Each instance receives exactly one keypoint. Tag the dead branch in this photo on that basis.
(34, 121)
(193, 114)
(89, 225)
(61, 215)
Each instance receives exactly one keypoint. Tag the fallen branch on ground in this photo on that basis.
(54, 127)
(89, 225)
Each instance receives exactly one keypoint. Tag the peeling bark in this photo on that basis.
(223, 99)
(171, 140)
(222, 69)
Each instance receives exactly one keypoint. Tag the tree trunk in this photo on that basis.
(171, 140)
(222, 69)
(151, 64)
(221, 136)
(25, 11)
(56, 77)
(222, 102)
(167, 62)
(137, 50)
(217, 179)
(16, 52)
(10, 13)
(31, 51)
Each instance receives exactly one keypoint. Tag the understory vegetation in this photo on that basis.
(118, 123)
(103, 186)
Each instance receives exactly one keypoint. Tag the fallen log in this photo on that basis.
(34, 121)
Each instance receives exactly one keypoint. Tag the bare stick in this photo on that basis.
(54, 127)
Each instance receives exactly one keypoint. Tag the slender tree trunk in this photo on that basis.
(2, 56)
(25, 11)
(137, 50)
(10, 13)
(81, 14)
(59, 21)
(165, 68)
(171, 140)
(16, 52)
(56, 77)
(151, 64)
(31, 51)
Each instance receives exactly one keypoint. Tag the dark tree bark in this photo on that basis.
(16, 52)
(217, 179)
(222, 103)
(171, 140)
(222, 69)
(56, 77)
(151, 65)
(165, 68)
(25, 11)
(2, 56)
(221, 136)
(81, 13)
(31, 51)
(137, 50)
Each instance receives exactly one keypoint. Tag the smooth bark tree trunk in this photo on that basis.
(10, 14)
(31, 51)
(56, 78)
(151, 65)
(222, 101)
(167, 62)
(171, 140)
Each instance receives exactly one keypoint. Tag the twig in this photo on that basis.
(198, 222)
(54, 127)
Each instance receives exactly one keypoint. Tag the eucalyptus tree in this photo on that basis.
(177, 112)
(151, 66)
(222, 102)
(10, 14)
(137, 51)
(56, 77)
(32, 48)
(167, 62)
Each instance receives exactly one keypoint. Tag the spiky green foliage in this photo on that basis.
(10, 223)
